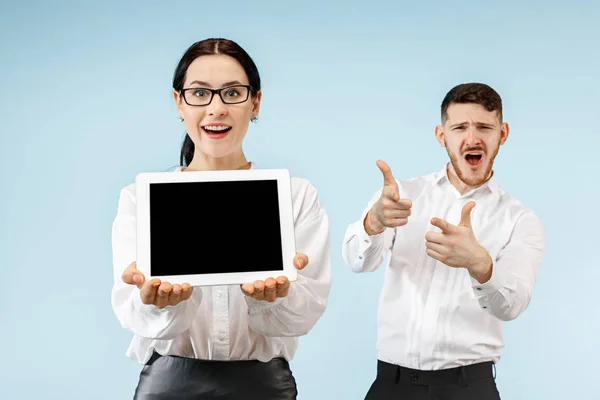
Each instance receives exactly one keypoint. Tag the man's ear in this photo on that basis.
(439, 135)
(504, 131)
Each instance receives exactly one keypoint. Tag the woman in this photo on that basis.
(227, 342)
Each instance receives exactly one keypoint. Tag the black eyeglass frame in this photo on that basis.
(217, 91)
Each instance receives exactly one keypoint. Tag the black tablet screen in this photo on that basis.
(214, 227)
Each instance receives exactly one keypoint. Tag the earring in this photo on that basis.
(254, 120)
(180, 119)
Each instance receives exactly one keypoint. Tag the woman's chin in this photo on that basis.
(218, 150)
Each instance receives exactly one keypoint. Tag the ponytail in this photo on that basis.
(187, 151)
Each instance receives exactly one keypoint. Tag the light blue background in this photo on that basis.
(86, 104)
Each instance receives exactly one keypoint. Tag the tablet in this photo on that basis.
(215, 227)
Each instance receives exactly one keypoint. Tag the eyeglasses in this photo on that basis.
(203, 96)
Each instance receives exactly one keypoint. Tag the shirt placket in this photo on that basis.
(431, 314)
(220, 301)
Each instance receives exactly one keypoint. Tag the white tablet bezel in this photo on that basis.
(288, 245)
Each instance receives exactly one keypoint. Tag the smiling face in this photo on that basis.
(472, 137)
(219, 127)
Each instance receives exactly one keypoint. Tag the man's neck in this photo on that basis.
(459, 184)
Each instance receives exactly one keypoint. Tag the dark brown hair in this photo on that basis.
(477, 93)
(204, 48)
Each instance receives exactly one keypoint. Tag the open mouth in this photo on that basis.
(216, 131)
(473, 159)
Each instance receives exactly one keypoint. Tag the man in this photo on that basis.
(464, 258)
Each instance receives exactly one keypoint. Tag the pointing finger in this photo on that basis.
(443, 225)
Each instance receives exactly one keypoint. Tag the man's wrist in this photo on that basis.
(481, 271)
(372, 227)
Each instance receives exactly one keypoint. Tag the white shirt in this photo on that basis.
(220, 322)
(432, 316)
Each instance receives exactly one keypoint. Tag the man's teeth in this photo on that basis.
(216, 128)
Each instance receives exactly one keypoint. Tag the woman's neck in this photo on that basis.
(202, 162)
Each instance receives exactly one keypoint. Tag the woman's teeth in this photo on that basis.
(216, 128)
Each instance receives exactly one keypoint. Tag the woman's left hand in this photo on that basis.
(271, 289)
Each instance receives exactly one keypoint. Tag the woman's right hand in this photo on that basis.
(161, 294)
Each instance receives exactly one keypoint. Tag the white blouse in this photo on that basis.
(220, 322)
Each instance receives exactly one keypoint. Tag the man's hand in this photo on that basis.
(161, 294)
(390, 210)
(456, 246)
(271, 289)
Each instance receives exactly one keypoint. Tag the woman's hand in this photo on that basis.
(161, 294)
(271, 289)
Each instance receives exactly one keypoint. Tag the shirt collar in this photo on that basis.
(441, 177)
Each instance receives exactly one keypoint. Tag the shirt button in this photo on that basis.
(478, 288)
(360, 257)
(222, 336)
(484, 306)
(219, 294)
(366, 240)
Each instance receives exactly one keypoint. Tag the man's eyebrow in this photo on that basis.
(479, 124)
(457, 125)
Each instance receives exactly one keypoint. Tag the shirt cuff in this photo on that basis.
(365, 241)
(151, 309)
(257, 306)
(495, 283)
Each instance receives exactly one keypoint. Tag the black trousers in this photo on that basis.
(172, 377)
(473, 382)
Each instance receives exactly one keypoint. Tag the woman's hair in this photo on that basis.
(204, 48)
